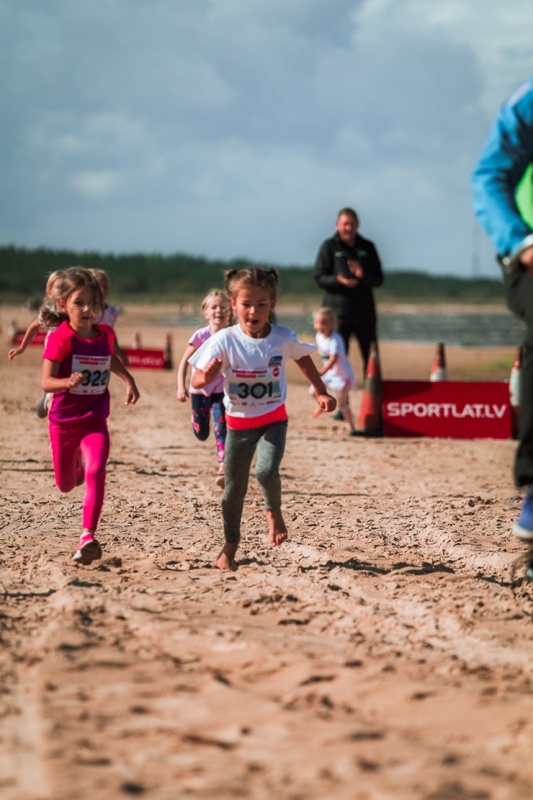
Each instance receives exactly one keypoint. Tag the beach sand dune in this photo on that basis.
(379, 653)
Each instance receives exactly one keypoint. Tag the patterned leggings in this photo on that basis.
(202, 408)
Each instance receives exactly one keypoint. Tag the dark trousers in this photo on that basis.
(241, 446)
(519, 286)
(364, 333)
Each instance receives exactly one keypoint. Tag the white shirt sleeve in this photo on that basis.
(210, 349)
(295, 349)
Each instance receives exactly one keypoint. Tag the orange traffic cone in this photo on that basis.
(438, 370)
(370, 416)
(514, 392)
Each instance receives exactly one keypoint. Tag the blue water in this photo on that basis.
(462, 329)
(465, 330)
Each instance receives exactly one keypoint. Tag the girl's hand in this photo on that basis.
(16, 351)
(182, 395)
(132, 394)
(212, 370)
(326, 402)
(74, 380)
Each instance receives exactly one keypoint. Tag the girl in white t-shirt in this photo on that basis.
(336, 372)
(208, 401)
(252, 356)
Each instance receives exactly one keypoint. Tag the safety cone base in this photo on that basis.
(373, 433)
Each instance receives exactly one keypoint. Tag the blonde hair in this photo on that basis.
(49, 315)
(218, 293)
(214, 293)
(326, 313)
(71, 280)
(102, 277)
(52, 278)
(266, 279)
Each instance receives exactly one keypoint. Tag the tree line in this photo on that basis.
(152, 278)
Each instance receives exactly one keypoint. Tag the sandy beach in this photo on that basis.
(381, 653)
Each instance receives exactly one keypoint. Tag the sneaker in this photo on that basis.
(523, 527)
(338, 416)
(41, 409)
(89, 550)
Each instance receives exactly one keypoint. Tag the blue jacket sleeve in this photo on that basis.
(506, 154)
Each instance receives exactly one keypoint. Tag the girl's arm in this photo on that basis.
(329, 363)
(182, 393)
(120, 353)
(324, 400)
(31, 330)
(201, 377)
(49, 381)
(118, 368)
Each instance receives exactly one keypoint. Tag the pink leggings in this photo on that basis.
(80, 453)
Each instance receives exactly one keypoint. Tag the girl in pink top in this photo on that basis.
(77, 361)
(210, 399)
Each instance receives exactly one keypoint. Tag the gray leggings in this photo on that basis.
(269, 442)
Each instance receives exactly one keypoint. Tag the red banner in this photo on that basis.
(17, 337)
(447, 409)
(143, 358)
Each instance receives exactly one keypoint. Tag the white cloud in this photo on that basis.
(498, 36)
(96, 185)
(230, 127)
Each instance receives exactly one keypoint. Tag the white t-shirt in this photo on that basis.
(341, 372)
(253, 369)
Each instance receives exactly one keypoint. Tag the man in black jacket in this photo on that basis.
(347, 268)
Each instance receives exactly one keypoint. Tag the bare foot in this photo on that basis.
(277, 530)
(225, 560)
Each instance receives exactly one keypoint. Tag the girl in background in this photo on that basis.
(77, 361)
(111, 313)
(49, 312)
(252, 356)
(208, 400)
(336, 372)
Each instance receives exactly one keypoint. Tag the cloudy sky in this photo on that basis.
(230, 128)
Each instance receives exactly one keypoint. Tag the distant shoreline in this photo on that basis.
(149, 310)
(399, 359)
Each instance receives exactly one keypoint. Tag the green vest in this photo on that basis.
(524, 196)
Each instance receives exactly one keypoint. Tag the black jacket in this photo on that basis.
(355, 304)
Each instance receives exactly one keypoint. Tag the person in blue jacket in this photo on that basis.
(502, 185)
